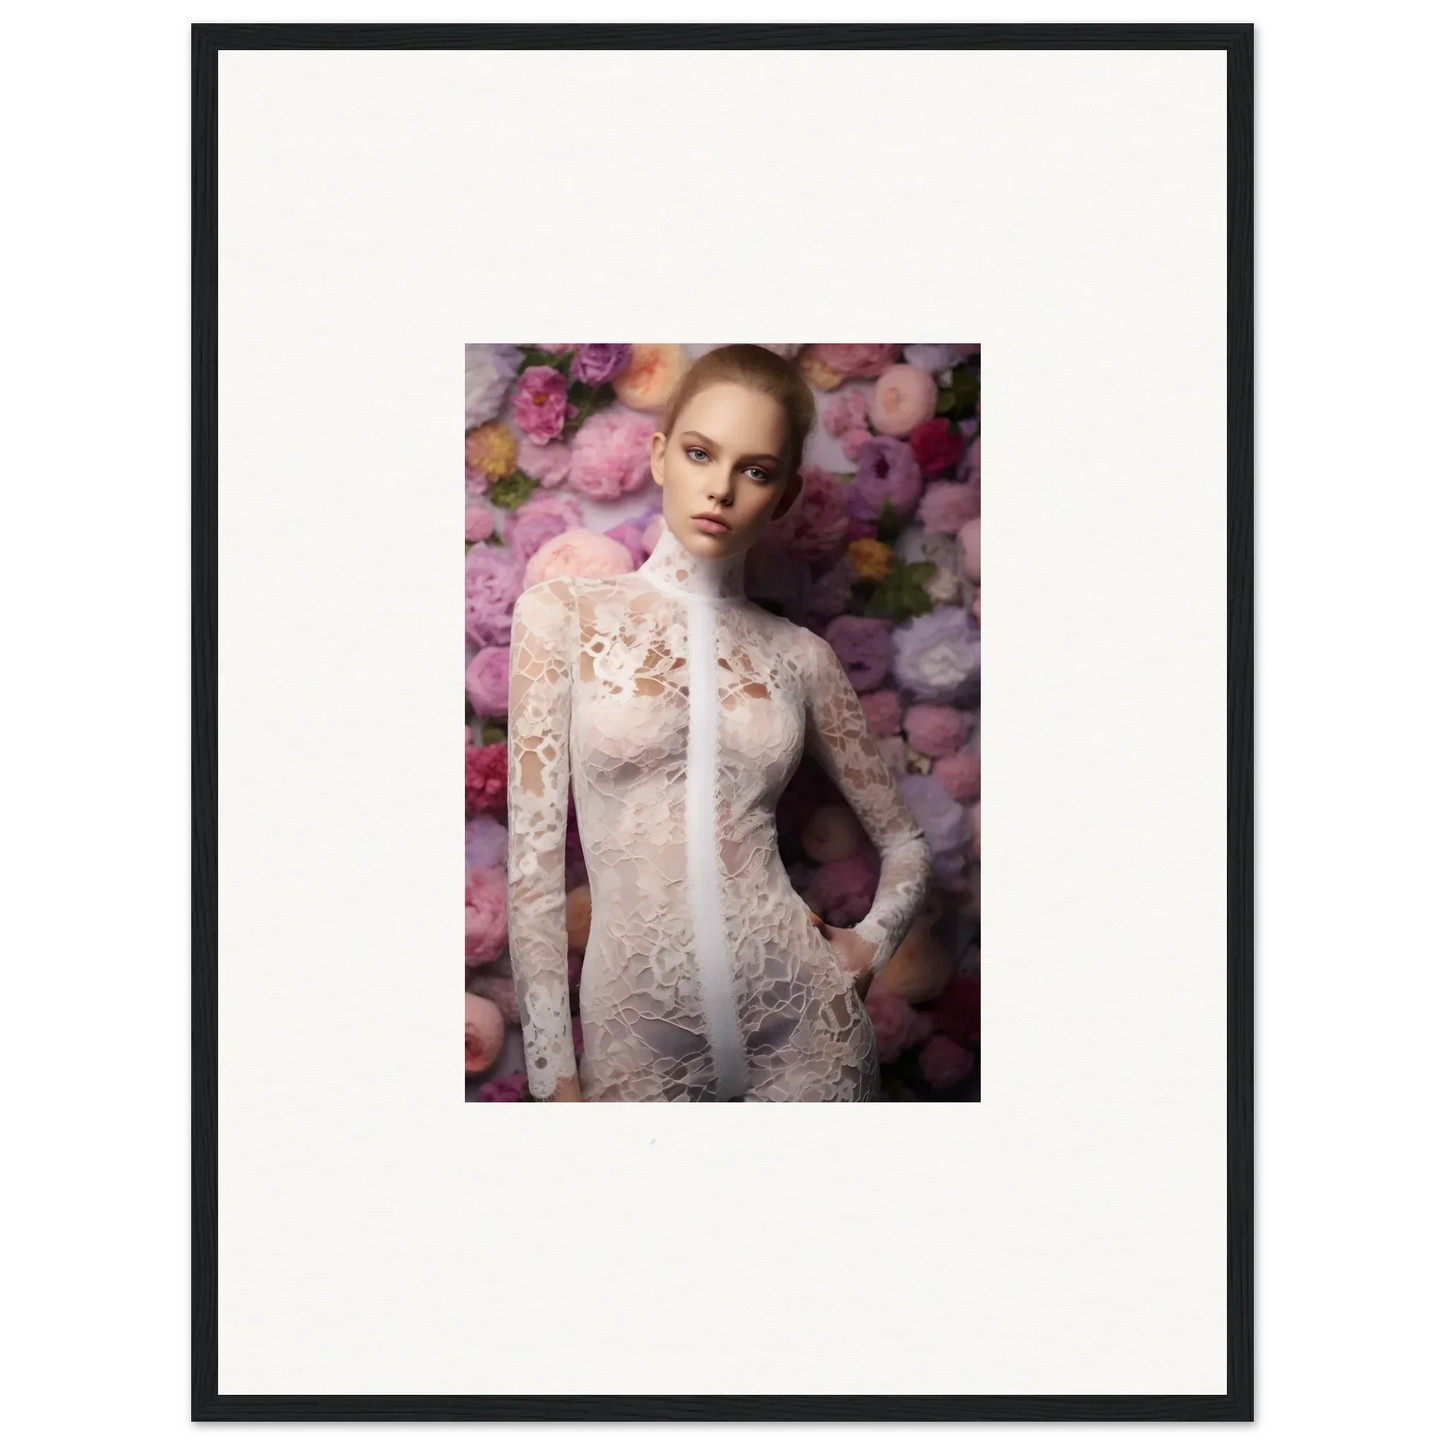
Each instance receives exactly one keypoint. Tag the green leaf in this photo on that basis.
(511, 491)
(493, 734)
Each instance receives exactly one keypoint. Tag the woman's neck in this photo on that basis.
(675, 569)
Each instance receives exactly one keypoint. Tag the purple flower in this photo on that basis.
(490, 371)
(592, 365)
(494, 580)
(936, 655)
(488, 681)
(887, 471)
(934, 356)
(862, 645)
(486, 843)
(946, 823)
(540, 518)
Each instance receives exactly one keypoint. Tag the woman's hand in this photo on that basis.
(855, 954)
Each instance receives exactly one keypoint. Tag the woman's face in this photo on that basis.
(725, 459)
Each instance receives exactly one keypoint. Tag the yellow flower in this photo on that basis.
(872, 560)
(492, 451)
(819, 372)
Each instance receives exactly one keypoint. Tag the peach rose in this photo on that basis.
(904, 397)
(651, 376)
(577, 552)
(486, 1033)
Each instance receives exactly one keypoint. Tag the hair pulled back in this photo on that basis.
(762, 370)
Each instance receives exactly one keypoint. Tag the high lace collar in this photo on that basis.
(674, 569)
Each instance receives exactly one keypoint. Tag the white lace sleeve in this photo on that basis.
(539, 721)
(838, 736)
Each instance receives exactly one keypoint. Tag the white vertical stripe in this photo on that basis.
(704, 887)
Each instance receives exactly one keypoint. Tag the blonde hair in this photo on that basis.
(762, 370)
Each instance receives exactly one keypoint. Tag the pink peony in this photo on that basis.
(489, 679)
(578, 553)
(935, 729)
(540, 408)
(959, 773)
(904, 397)
(612, 454)
(815, 526)
(944, 1062)
(486, 914)
(547, 465)
(883, 711)
(486, 1033)
(480, 525)
(486, 788)
(946, 506)
(859, 359)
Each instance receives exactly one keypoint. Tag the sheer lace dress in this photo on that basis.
(677, 710)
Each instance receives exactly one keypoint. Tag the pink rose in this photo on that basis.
(577, 552)
(904, 397)
(480, 524)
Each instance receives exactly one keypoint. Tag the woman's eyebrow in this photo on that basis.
(747, 457)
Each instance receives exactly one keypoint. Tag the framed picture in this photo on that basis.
(718, 836)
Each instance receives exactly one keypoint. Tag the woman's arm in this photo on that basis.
(538, 771)
(838, 736)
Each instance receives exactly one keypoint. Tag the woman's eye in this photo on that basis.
(691, 450)
(763, 476)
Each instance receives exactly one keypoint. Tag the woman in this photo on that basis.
(678, 710)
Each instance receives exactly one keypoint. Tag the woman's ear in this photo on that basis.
(659, 448)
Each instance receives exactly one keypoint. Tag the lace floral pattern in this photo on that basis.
(677, 711)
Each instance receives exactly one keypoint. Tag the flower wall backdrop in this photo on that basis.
(879, 555)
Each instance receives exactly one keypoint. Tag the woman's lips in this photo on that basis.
(711, 524)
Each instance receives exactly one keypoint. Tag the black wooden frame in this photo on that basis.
(1237, 41)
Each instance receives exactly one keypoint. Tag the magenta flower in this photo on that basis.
(540, 408)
